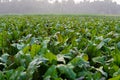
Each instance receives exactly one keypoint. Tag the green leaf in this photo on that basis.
(118, 45)
(9, 73)
(18, 46)
(50, 56)
(34, 49)
(100, 45)
(60, 58)
(2, 77)
(102, 72)
(4, 58)
(51, 72)
(115, 78)
(59, 37)
(79, 61)
(18, 74)
(68, 72)
(3, 40)
(100, 60)
(116, 57)
(22, 59)
(116, 73)
(107, 40)
(33, 39)
(34, 64)
(85, 57)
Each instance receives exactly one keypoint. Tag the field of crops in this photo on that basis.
(59, 47)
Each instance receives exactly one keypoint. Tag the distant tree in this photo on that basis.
(86, 0)
(43, 6)
(14, 0)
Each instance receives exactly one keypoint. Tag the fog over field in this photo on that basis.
(60, 7)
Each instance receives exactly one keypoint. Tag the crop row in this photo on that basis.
(59, 47)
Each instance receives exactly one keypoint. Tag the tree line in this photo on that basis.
(66, 7)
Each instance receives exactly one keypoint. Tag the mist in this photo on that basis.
(59, 7)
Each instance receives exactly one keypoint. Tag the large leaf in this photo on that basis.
(68, 72)
(50, 56)
(17, 74)
(4, 58)
(32, 67)
(2, 77)
(79, 61)
(102, 71)
(102, 43)
(115, 78)
(59, 37)
(116, 73)
(60, 58)
(18, 46)
(116, 57)
(34, 49)
(118, 45)
(51, 72)
(101, 60)
(22, 59)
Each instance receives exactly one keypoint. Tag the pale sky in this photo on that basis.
(77, 1)
(118, 1)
